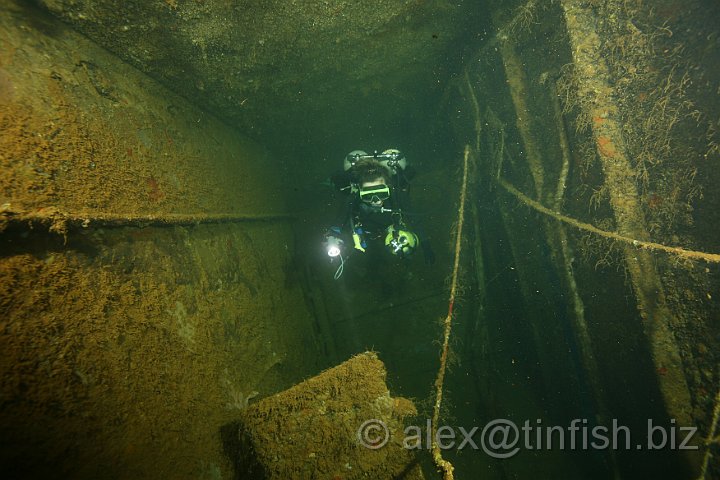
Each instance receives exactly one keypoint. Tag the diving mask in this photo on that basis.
(375, 193)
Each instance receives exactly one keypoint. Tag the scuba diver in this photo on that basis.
(377, 184)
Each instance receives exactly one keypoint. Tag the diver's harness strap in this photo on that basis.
(358, 235)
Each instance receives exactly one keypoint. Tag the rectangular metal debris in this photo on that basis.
(340, 424)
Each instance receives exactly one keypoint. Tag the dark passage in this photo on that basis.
(183, 287)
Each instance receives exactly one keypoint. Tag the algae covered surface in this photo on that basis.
(127, 349)
(342, 423)
(82, 132)
(274, 68)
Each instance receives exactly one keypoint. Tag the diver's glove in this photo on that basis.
(428, 253)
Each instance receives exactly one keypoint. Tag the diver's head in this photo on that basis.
(373, 179)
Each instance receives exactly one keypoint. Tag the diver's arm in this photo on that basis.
(333, 238)
(342, 219)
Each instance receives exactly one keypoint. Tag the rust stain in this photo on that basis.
(606, 147)
(155, 194)
(654, 200)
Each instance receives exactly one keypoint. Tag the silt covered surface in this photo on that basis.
(269, 67)
(126, 350)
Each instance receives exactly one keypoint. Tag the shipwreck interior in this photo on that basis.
(167, 305)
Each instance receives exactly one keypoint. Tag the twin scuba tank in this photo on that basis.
(392, 159)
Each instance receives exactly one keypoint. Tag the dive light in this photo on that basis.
(333, 246)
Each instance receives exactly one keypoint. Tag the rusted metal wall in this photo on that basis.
(127, 349)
